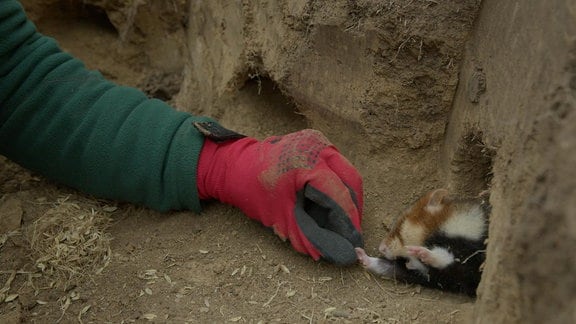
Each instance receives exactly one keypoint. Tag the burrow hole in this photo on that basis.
(472, 165)
(269, 106)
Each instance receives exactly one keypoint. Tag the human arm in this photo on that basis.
(71, 125)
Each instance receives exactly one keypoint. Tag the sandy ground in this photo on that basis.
(217, 266)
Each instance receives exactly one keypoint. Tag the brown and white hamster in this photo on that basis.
(439, 242)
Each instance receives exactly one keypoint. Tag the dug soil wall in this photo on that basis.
(379, 79)
(516, 97)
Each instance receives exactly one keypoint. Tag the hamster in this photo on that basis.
(440, 242)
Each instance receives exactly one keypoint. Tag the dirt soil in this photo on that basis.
(217, 266)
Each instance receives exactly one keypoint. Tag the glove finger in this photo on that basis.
(326, 226)
(328, 212)
(331, 246)
(328, 183)
(348, 174)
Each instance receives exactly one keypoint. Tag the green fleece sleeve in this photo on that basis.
(71, 125)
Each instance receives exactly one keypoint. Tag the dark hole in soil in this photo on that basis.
(471, 168)
(271, 102)
(97, 16)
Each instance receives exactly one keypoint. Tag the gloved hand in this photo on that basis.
(298, 184)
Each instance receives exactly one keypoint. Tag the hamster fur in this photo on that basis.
(439, 242)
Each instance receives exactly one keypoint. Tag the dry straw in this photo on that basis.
(70, 242)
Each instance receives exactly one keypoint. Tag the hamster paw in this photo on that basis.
(422, 253)
(377, 266)
(438, 257)
(363, 258)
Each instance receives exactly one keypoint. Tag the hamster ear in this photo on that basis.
(435, 200)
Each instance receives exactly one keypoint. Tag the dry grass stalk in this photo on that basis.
(70, 242)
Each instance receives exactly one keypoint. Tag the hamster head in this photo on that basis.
(416, 224)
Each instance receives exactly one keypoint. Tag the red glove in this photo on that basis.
(298, 184)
